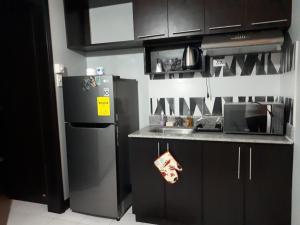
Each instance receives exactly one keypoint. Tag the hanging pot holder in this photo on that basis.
(168, 167)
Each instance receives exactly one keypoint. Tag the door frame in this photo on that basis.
(49, 118)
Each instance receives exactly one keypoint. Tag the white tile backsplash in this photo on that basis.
(220, 86)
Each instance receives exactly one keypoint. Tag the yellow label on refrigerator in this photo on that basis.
(103, 105)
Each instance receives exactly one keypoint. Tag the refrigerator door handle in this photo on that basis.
(117, 135)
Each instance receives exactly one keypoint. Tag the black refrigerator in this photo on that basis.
(100, 112)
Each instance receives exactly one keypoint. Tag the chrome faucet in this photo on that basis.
(163, 119)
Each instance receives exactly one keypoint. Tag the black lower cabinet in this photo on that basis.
(268, 184)
(222, 184)
(247, 184)
(183, 199)
(155, 200)
(147, 183)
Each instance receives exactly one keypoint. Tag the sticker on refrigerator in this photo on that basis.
(98, 80)
(106, 91)
(89, 83)
(103, 105)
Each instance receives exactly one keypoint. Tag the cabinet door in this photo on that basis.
(183, 199)
(147, 183)
(268, 185)
(224, 16)
(268, 13)
(222, 184)
(150, 19)
(185, 17)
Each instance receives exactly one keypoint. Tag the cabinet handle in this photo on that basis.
(239, 164)
(269, 22)
(225, 27)
(168, 148)
(158, 150)
(151, 35)
(187, 31)
(250, 165)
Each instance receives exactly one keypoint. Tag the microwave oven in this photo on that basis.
(254, 118)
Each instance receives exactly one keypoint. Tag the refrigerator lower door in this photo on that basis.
(92, 170)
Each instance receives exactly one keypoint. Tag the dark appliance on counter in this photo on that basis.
(254, 118)
(192, 57)
(209, 123)
(100, 112)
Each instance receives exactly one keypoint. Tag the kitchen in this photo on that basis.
(192, 61)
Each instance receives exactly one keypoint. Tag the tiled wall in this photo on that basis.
(245, 78)
(199, 106)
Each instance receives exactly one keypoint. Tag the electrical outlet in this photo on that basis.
(219, 62)
(59, 82)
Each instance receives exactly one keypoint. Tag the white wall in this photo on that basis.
(126, 64)
(74, 63)
(287, 82)
(295, 34)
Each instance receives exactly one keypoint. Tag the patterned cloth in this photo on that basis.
(168, 167)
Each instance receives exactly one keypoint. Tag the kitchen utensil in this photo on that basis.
(191, 58)
(90, 72)
(100, 70)
(159, 66)
(176, 65)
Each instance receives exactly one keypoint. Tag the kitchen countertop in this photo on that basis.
(213, 136)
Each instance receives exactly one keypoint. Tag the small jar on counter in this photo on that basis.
(188, 122)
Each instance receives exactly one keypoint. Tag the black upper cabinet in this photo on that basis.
(159, 19)
(162, 18)
(262, 14)
(173, 18)
(268, 185)
(77, 23)
(147, 183)
(183, 199)
(224, 16)
(222, 184)
(78, 31)
(150, 19)
(185, 17)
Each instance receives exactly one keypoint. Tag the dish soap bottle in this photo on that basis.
(162, 119)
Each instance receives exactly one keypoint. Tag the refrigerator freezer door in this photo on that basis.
(89, 99)
(92, 170)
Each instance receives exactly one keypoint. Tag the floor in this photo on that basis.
(25, 213)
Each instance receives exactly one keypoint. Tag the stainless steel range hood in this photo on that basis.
(240, 43)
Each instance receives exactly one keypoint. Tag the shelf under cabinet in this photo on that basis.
(175, 72)
(108, 46)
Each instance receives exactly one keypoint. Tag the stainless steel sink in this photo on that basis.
(172, 130)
